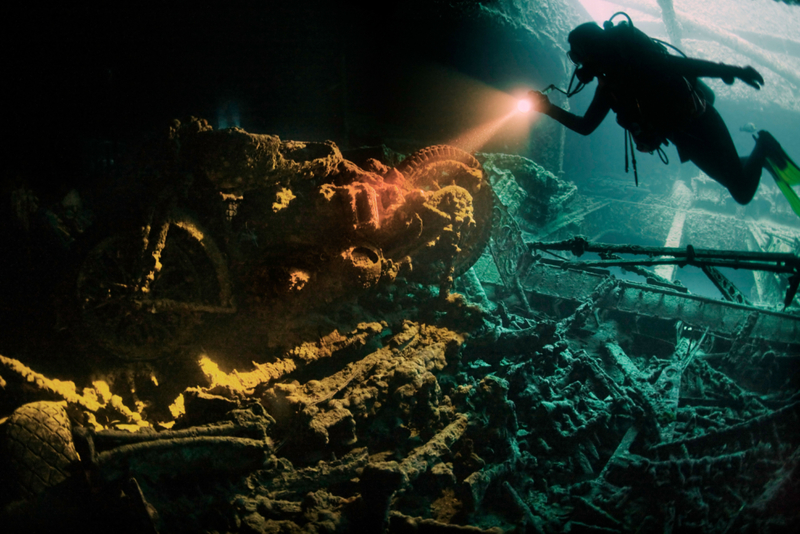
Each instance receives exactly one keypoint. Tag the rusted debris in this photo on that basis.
(604, 405)
(708, 260)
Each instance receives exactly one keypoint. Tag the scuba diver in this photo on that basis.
(658, 99)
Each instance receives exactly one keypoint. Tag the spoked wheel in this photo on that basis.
(438, 166)
(137, 324)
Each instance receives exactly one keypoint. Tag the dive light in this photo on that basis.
(524, 105)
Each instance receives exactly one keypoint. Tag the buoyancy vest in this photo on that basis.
(650, 99)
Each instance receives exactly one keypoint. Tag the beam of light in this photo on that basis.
(512, 120)
(475, 138)
(468, 113)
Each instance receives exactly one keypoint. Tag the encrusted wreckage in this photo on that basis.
(528, 395)
(247, 224)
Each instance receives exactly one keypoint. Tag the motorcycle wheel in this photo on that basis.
(121, 320)
(437, 166)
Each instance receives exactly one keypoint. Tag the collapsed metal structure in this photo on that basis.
(544, 396)
(709, 260)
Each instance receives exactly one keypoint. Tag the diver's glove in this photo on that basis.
(540, 102)
(748, 75)
(751, 77)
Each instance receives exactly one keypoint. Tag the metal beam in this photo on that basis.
(721, 317)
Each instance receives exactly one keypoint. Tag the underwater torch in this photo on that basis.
(526, 104)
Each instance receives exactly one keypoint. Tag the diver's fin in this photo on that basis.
(785, 167)
(785, 171)
(791, 196)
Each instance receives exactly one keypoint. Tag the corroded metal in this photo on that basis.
(556, 280)
(276, 227)
(708, 259)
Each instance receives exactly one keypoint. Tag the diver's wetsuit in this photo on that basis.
(707, 143)
(656, 97)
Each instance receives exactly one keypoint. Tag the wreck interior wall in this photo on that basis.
(505, 416)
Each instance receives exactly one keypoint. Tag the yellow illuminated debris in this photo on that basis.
(103, 391)
(193, 230)
(216, 376)
(282, 199)
(245, 382)
(62, 389)
(177, 408)
(210, 369)
(91, 420)
(298, 279)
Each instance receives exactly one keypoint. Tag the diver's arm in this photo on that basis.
(585, 125)
(700, 68)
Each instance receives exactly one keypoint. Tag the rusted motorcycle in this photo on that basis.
(272, 227)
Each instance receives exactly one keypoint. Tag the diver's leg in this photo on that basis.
(754, 163)
(708, 144)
